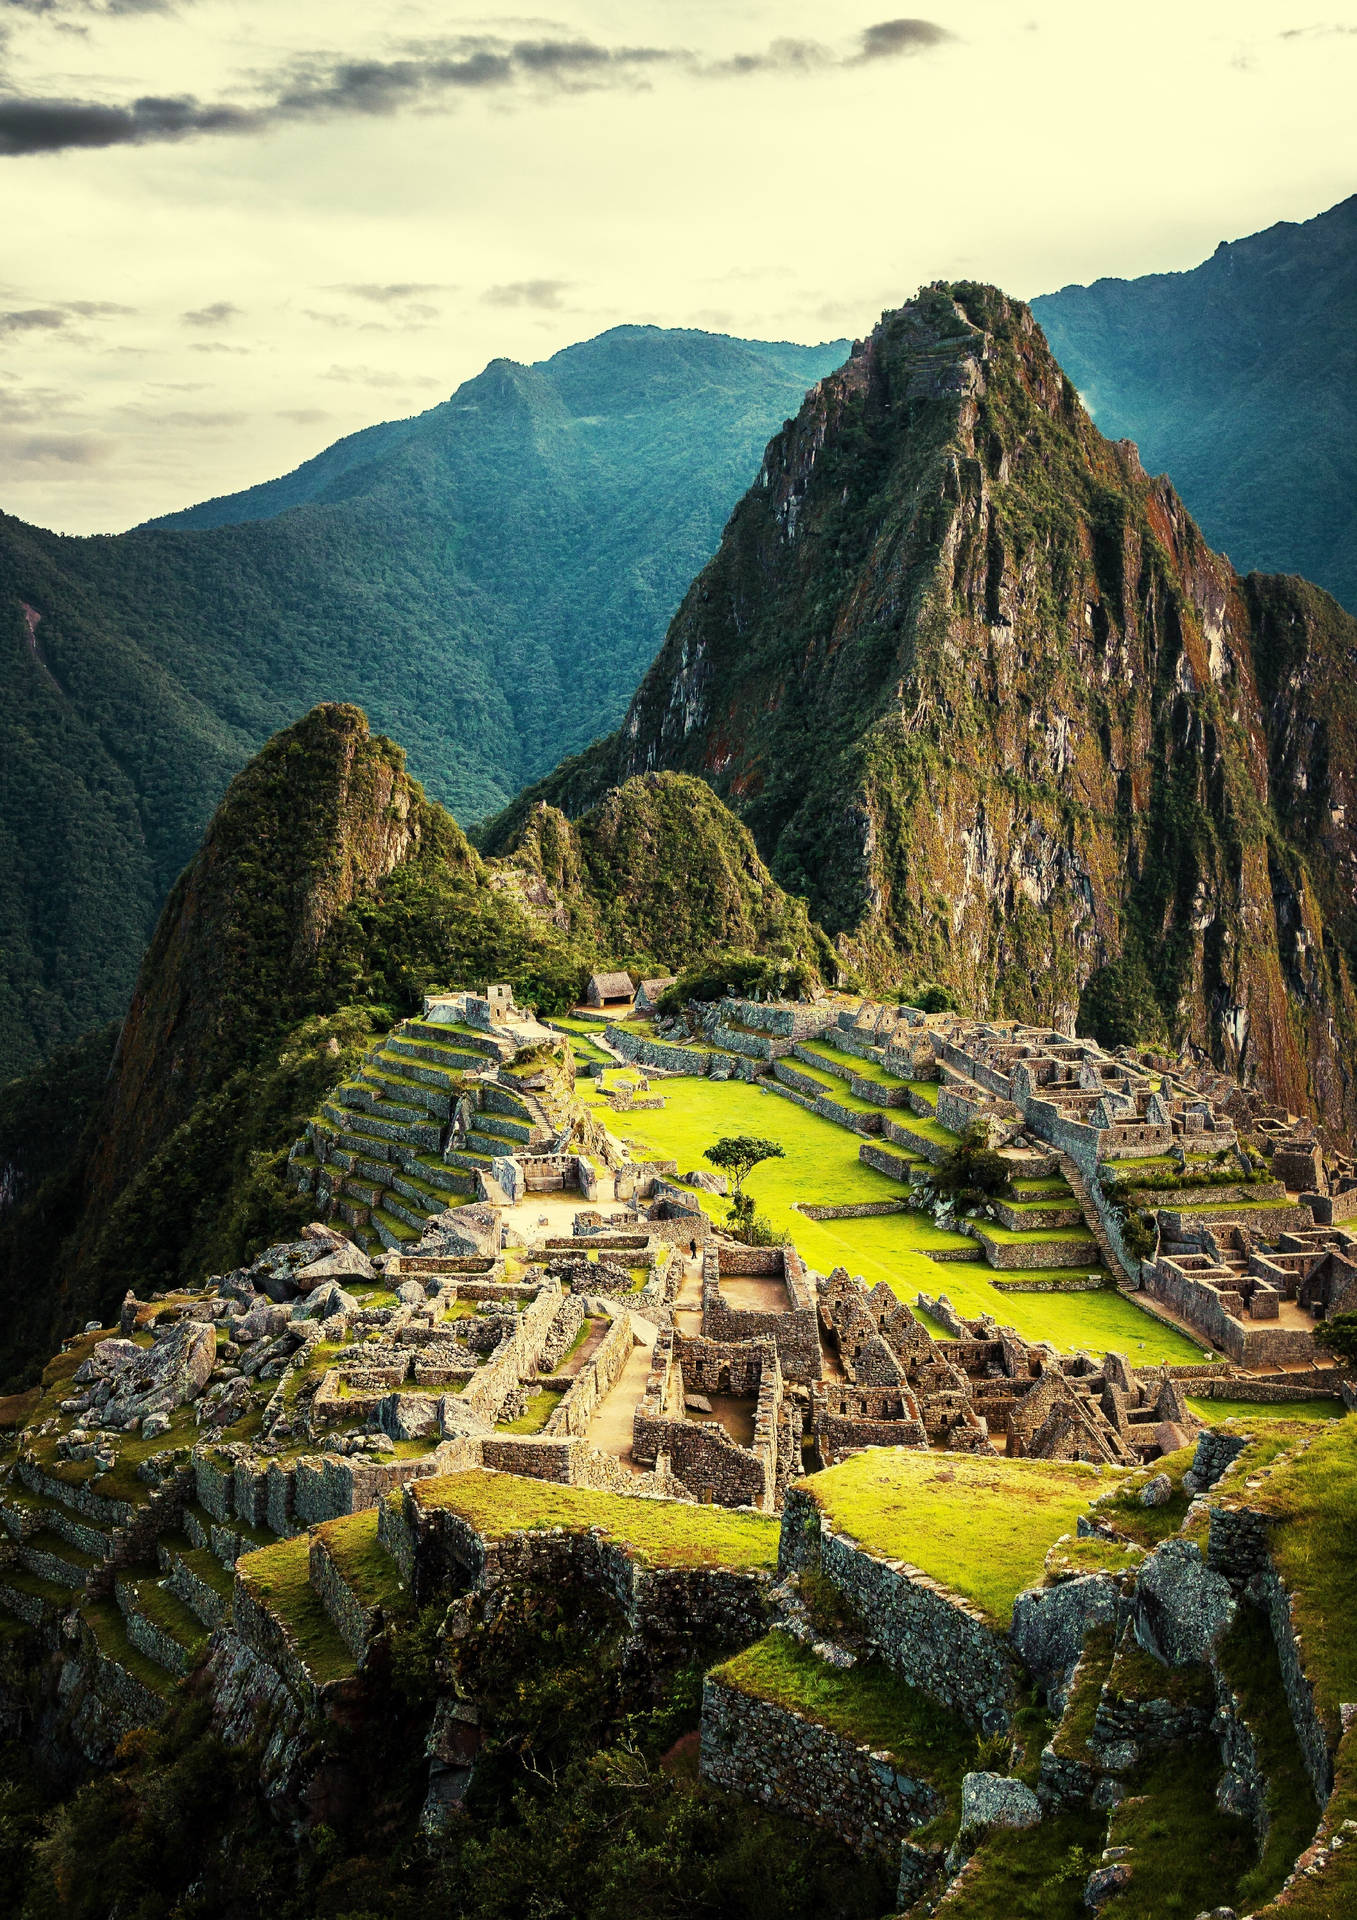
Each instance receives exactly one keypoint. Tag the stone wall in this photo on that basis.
(776, 1757)
(938, 1640)
(642, 1052)
(842, 1116)
(899, 1133)
(856, 1209)
(1011, 1256)
(884, 1161)
(1253, 1344)
(594, 1382)
(663, 1606)
(795, 1328)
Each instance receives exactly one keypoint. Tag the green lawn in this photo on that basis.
(657, 1532)
(278, 1577)
(869, 1704)
(368, 1570)
(865, 1069)
(980, 1525)
(822, 1167)
(1214, 1411)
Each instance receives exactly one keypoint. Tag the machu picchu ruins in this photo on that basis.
(517, 1350)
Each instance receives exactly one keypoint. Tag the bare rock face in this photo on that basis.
(344, 1262)
(1182, 1607)
(149, 1381)
(996, 1800)
(1049, 1625)
(462, 1231)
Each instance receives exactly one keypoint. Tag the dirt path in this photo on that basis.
(610, 1429)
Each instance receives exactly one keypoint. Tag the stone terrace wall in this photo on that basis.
(795, 1329)
(772, 1755)
(662, 1605)
(594, 1382)
(935, 1638)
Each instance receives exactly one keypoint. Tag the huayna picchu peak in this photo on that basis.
(984, 697)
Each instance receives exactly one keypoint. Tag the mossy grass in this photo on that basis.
(204, 1565)
(869, 1703)
(279, 1578)
(1137, 1675)
(657, 1533)
(1251, 1412)
(541, 1405)
(167, 1612)
(1185, 1850)
(872, 1070)
(1034, 1873)
(1248, 1660)
(1313, 1497)
(105, 1621)
(821, 1166)
(1071, 1736)
(367, 1568)
(980, 1526)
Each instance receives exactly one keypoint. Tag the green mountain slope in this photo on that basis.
(329, 894)
(984, 695)
(487, 579)
(1240, 379)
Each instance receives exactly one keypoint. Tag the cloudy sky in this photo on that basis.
(236, 229)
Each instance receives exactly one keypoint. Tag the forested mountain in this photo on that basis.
(328, 895)
(984, 695)
(488, 580)
(1240, 380)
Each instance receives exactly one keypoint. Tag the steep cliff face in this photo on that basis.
(982, 692)
(322, 814)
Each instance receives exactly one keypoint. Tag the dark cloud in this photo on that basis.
(321, 89)
(526, 293)
(1314, 33)
(889, 39)
(214, 316)
(390, 295)
(34, 320)
(55, 449)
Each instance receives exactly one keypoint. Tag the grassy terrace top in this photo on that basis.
(865, 1069)
(657, 1533)
(979, 1526)
(1313, 1496)
(868, 1703)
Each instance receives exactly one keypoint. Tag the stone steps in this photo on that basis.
(195, 1576)
(356, 1580)
(407, 1068)
(455, 1182)
(141, 1686)
(395, 1090)
(361, 1128)
(464, 1157)
(411, 1213)
(281, 1617)
(30, 1598)
(482, 1046)
(433, 1057)
(364, 1096)
(52, 1558)
(159, 1624)
(393, 1234)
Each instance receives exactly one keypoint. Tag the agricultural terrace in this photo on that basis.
(979, 1525)
(822, 1168)
(658, 1533)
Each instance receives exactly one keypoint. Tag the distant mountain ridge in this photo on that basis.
(488, 580)
(1239, 379)
(985, 697)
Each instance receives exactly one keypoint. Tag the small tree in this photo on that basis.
(738, 1155)
(1339, 1337)
(972, 1172)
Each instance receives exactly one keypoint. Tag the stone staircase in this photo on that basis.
(313, 1607)
(1094, 1203)
(416, 1130)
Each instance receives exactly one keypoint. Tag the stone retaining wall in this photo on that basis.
(829, 1107)
(938, 1640)
(776, 1757)
(594, 1382)
(856, 1209)
(1084, 1283)
(642, 1052)
(663, 1606)
(1266, 1222)
(1009, 1256)
(885, 1162)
